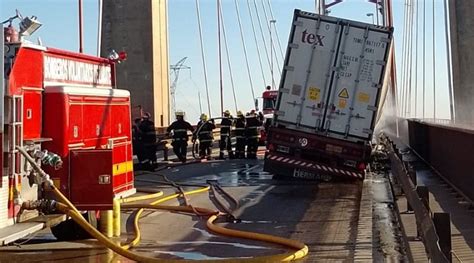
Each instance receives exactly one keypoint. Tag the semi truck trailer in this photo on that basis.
(329, 98)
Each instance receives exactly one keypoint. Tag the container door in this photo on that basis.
(355, 91)
(308, 70)
(91, 179)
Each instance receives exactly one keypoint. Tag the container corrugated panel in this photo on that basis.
(333, 76)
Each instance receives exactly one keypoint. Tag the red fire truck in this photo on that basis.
(63, 109)
(269, 98)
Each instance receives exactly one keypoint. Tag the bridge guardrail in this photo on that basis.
(448, 151)
(427, 227)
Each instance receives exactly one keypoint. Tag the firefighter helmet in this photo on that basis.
(203, 117)
(227, 113)
(239, 114)
(179, 113)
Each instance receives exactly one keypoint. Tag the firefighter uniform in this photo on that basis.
(148, 139)
(137, 140)
(204, 134)
(240, 135)
(225, 141)
(251, 134)
(180, 129)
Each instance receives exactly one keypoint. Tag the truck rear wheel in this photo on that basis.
(70, 230)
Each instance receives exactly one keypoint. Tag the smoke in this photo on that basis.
(389, 123)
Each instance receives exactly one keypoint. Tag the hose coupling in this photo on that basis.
(232, 219)
(45, 206)
(49, 158)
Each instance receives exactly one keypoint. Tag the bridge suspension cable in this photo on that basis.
(221, 84)
(424, 57)
(262, 34)
(448, 62)
(256, 43)
(434, 64)
(228, 57)
(245, 48)
(416, 57)
(276, 31)
(203, 57)
(403, 74)
(410, 63)
(272, 50)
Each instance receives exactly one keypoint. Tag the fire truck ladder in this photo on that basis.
(15, 138)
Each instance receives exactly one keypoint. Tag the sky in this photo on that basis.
(60, 30)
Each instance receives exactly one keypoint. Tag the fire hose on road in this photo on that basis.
(65, 206)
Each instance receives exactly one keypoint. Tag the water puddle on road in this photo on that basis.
(188, 255)
(204, 232)
(206, 242)
(258, 222)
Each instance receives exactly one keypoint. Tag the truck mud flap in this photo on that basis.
(283, 165)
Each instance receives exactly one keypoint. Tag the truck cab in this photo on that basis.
(269, 98)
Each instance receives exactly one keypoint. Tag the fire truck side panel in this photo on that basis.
(97, 114)
(3, 177)
(121, 131)
(26, 71)
(75, 129)
(88, 190)
(89, 114)
(32, 104)
(23, 73)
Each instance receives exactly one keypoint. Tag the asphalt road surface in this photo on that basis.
(322, 215)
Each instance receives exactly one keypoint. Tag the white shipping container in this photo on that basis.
(333, 75)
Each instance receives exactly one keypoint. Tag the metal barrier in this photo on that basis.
(448, 150)
(434, 231)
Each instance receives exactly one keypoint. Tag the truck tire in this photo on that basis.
(69, 230)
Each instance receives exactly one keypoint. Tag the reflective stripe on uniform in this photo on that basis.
(179, 130)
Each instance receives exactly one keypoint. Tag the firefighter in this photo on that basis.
(240, 135)
(137, 139)
(148, 139)
(204, 134)
(251, 134)
(225, 141)
(180, 129)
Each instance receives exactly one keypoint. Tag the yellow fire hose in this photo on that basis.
(69, 209)
(136, 226)
(301, 252)
(302, 249)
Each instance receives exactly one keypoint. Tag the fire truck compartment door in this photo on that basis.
(91, 179)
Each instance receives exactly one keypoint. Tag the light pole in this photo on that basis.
(273, 21)
(372, 15)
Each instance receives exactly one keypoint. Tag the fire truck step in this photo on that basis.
(17, 231)
(12, 233)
